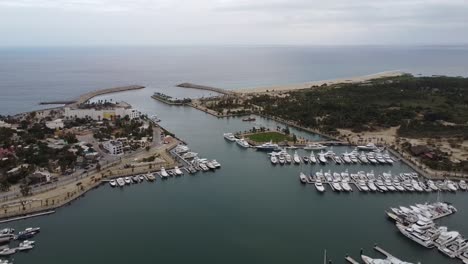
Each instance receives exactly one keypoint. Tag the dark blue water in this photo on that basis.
(31, 75)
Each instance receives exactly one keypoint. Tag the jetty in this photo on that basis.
(87, 96)
(207, 88)
(26, 216)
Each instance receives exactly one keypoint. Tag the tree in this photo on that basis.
(294, 138)
(25, 188)
(98, 166)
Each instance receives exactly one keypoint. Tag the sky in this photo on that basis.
(233, 22)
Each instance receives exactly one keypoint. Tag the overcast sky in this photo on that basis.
(232, 22)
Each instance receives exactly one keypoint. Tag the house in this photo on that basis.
(99, 112)
(114, 147)
(39, 176)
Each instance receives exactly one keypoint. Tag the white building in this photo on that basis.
(119, 110)
(114, 147)
(55, 124)
(4, 124)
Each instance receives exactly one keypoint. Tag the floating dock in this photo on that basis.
(27, 216)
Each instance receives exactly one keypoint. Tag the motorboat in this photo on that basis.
(312, 158)
(369, 146)
(189, 155)
(463, 186)
(120, 182)
(315, 146)
(451, 185)
(230, 137)
(177, 171)
(26, 245)
(181, 149)
(446, 237)
(28, 233)
(113, 183)
(6, 238)
(296, 158)
(136, 179)
(164, 173)
(303, 177)
(322, 158)
(372, 186)
(363, 186)
(398, 186)
(345, 185)
(347, 158)
(243, 143)
(388, 260)
(389, 185)
(269, 146)
(419, 237)
(432, 185)
(274, 159)
(210, 165)
(305, 159)
(128, 180)
(288, 158)
(336, 185)
(380, 184)
(319, 186)
(216, 164)
(7, 251)
(281, 160)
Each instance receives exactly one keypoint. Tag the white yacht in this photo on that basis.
(372, 186)
(347, 158)
(389, 185)
(128, 180)
(230, 137)
(273, 159)
(416, 235)
(296, 158)
(416, 185)
(303, 177)
(380, 184)
(369, 146)
(446, 237)
(164, 173)
(318, 185)
(243, 143)
(345, 185)
(216, 164)
(112, 183)
(362, 184)
(120, 182)
(315, 146)
(177, 171)
(322, 158)
(463, 185)
(451, 185)
(269, 146)
(190, 155)
(336, 185)
(312, 158)
(288, 159)
(388, 260)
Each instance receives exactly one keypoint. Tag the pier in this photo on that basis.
(87, 96)
(26, 216)
(206, 88)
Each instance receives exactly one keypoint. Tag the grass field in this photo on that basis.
(269, 136)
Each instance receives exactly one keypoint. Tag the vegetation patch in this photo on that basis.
(269, 136)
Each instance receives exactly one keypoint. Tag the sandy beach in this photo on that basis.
(298, 86)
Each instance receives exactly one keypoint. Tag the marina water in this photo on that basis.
(249, 211)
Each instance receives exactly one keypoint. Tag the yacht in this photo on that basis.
(120, 182)
(303, 177)
(398, 186)
(127, 180)
(416, 235)
(243, 143)
(150, 177)
(362, 185)
(345, 185)
(230, 137)
(322, 158)
(296, 158)
(177, 171)
(273, 159)
(446, 237)
(416, 185)
(432, 185)
(388, 260)
(336, 185)
(28, 233)
(454, 248)
(463, 186)
(164, 173)
(380, 184)
(112, 183)
(315, 146)
(389, 185)
(7, 251)
(216, 164)
(363, 158)
(312, 158)
(281, 160)
(369, 146)
(210, 165)
(180, 149)
(288, 158)
(346, 158)
(451, 185)
(26, 245)
(268, 147)
(408, 185)
(6, 238)
(204, 167)
(190, 155)
(319, 186)
(372, 186)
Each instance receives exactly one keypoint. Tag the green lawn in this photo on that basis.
(269, 136)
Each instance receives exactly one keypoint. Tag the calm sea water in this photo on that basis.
(31, 75)
(247, 212)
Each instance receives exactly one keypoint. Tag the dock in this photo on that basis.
(26, 216)
(87, 96)
(206, 88)
(351, 260)
(382, 251)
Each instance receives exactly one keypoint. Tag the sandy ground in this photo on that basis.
(386, 136)
(298, 86)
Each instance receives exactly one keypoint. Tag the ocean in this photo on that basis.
(31, 75)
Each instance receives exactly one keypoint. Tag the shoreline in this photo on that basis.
(306, 85)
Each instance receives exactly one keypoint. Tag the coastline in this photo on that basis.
(299, 86)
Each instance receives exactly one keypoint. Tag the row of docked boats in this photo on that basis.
(129, 180)
(369, 182)
(205, 164)
(283, 157)
(416, 222)
(194, 162)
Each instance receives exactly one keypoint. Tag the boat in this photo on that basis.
(7, 251)
(372, 186)
(463, 186)
(269, 146)
(181, 149)
(416, 236)
(7, 231)
(305, 159)
(248, 119)
(432, 185)
(454, 248)
(296, 158)
(6, 238)
(243, 143)
(281, 160)
(319, 186)
(288, 158)
(216, 164)
(26, 245)
(204, 167)
(164, 173)
(322, 158)
(362, 185)
(336, 185)
(315, 146)
(170, 172)
(274, 159)
(380, 184)
(345, 185)
(120, 182)
(347, 158)
(229, 137)
(28, 233)
(451, 185)
(210, 165)
(189, 155)
(128, 180)
(312, 158)
(142, 178)
(388, 260)
(112, 183)
(177, 171)
(369, 146)
(150, 177)
(446, 237)
(303, 177)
